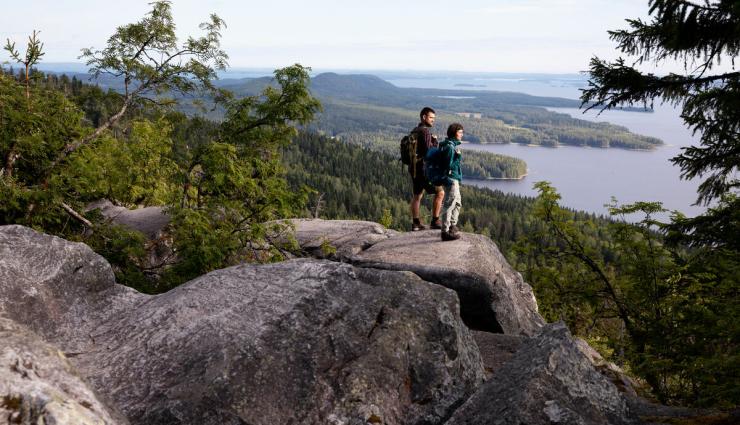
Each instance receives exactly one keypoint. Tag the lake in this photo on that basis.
(587, 178)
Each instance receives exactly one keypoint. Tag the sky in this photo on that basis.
(538, 36)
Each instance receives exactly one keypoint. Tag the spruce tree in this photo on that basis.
(694, 346)
(703, 36)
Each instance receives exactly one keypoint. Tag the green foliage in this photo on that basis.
(32, 131)
(663, 308)
(34, 52)
(135, 170)
(150, 60)
(222, 184)
(327, 249)
(386, 219)
(125, 249)
(233, 185)
(146, 55)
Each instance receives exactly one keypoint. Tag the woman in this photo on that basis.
(450, 148)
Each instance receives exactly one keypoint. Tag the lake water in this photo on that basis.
(587, 178)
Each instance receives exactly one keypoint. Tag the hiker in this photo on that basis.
(425, 141)
(451, 158)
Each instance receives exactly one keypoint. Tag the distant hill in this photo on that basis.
(330, 83)
(363, 104)
(365, 88)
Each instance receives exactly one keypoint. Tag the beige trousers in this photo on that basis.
(452, 204)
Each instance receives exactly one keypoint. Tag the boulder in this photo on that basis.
(614, 373)
(61, 290)
(493, 296)
(337, 239)
(496, 349)
(38, 385)
(547, 381)
(303, 341)
(150, 221)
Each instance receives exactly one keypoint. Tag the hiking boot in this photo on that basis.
(455, 231)
(417, 226)
(436, 225)
(447, 236)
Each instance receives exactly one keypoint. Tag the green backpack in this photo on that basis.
(408, 151)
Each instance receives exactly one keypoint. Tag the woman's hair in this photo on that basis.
(452, 130)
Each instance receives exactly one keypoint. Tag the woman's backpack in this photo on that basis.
(437, 164)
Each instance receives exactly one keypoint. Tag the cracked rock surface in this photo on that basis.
(347, 237)
(61, 290)
(493, 296)
(375, 336)
(547, 381)
(303, 341)
(38, 385)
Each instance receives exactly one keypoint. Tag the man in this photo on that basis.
(424, 141)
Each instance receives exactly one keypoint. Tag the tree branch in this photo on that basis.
(76, 215)
(92, 136)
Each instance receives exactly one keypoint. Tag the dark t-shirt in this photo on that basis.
(424, 135)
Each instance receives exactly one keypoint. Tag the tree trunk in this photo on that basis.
(10, 159)
(28, 93)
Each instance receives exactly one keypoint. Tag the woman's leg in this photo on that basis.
(456, 203)
(452, 205)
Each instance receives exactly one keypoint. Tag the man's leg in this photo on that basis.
(439, 196)
(418, 185)
(415, 205)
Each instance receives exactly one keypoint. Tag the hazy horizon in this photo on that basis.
(81, 67)
(498, 36)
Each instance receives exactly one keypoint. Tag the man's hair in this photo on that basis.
(426, 111)
(452, 130)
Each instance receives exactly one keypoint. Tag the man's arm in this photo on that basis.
(428, 139)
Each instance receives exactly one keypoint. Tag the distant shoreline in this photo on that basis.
(501, 178)
(563, 145)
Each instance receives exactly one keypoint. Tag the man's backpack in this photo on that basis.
(437, 165)
(408, 151)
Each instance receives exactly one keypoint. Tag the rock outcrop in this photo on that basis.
(39, 386)
(343, 238)
(304, 341)
(496, 349)
(493, 296)
(335, 343)
(547, 381)
(378, 335)
(61, 290)
(150, 221)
